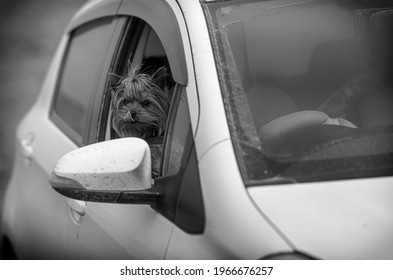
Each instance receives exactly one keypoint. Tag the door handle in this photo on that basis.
(27, 147)
(79, 207)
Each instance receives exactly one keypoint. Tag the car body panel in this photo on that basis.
(209, 93)
(26, 192)
(115, 231)
(348, 219)
(231, 216)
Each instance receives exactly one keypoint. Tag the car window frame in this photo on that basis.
(183, 201)
(84, 139)
(168, 31)
(126, 46)
(178, 91)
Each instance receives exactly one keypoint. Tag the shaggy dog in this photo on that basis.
(140, 106)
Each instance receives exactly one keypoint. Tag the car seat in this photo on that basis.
(266, 102)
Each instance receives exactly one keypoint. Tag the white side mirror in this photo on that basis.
(117, 171)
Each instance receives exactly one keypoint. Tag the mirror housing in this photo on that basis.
(115, 171)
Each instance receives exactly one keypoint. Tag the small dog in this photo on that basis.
(140, 104)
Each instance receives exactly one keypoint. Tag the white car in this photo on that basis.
(283, 114)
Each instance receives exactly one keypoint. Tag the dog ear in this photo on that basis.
(113, 80)
(160, 78)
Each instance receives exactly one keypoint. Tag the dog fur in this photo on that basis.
(140, 104)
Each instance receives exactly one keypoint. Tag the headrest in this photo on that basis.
(332, 63)
(381, 23)
(300, 130)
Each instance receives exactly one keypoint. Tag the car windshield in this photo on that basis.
(307, 87)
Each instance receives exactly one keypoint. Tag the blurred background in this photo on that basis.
(29, 33)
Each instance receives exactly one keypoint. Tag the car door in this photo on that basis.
(113, 231)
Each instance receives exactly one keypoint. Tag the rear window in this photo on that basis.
(79, 77)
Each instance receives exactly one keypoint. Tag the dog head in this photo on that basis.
(140, 104)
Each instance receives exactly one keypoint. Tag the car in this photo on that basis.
(278, 144)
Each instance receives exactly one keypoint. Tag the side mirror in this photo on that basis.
(116, 171)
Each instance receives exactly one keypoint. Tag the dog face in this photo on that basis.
(140, 104)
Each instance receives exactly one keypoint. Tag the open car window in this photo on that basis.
(141, 48)
(308, 87)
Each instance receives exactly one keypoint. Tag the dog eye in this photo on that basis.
(125, 102)
(145, 103)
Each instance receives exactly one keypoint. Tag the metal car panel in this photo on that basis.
(348, 219)
(34, 215)
(235, 228)
(117, 231)
(209, 94)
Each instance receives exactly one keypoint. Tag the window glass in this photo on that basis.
(154, 56)
(82, 66)
(181, 128)
(307, 87)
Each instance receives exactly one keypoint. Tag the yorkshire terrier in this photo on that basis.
(140, 105)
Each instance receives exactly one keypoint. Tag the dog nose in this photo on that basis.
(130, 116)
